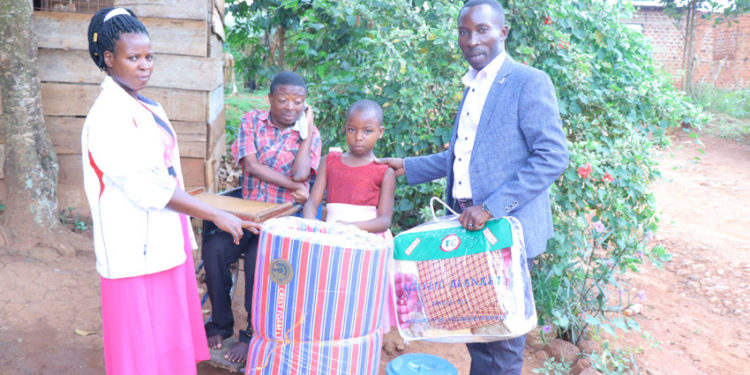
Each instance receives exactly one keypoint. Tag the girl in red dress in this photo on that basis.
(358, 191)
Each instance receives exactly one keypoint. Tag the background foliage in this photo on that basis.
(615, 105)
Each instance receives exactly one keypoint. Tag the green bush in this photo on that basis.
(552, 367)
(237, 106)
(614, 362)
(615, 107)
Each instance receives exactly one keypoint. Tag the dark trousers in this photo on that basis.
(497, 357)
(218, 253)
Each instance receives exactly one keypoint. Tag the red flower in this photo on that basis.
(547, 20)
(563, 45)
(608, 177)
(585, 170)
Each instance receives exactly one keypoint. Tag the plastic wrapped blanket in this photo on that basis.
(317, 281)
(353, 356)
(455, 285)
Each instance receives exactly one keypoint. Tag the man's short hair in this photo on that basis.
(287, 79)
(492, 3)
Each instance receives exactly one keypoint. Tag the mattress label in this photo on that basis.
(281, 271)
(433, 241)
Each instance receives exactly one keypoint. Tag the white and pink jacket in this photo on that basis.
(131, 166)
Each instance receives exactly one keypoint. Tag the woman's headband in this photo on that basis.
(115, 12)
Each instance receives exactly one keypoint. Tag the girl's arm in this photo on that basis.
(382, 222)
(310, 208)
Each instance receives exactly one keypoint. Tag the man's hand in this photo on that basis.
(474, 218)
(310, 116)
(300, 193)
(396, 163)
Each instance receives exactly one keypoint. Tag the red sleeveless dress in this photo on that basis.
(353, 185)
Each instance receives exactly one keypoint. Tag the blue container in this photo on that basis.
(419, 363)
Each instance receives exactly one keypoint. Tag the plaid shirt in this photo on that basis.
(274, 148)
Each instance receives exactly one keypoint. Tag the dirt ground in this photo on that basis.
(697, 308)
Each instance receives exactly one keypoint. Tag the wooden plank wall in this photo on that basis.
(187, 82)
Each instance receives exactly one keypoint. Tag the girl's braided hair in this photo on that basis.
(103, 36)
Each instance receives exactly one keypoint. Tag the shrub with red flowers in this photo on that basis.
(616, 110)
(585, 170)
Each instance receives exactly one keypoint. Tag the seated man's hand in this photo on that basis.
(310, 115)
(300, 194)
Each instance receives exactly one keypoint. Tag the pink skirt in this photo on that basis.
(152, 324)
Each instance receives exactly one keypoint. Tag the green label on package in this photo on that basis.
(441, 242)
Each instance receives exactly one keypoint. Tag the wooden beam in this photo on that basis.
(182, 9)
(213, 162)
(217, 131)
(193, 172)
(181, 105)
(191, 138)
(68, 99)
(65, 134)
(215, 46)
(65, 99)
(215, 103)
(170, 71)
(70, 191)
(67, 31)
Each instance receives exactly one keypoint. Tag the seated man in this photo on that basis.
(277, 159)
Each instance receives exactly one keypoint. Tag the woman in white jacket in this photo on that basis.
(151, 317)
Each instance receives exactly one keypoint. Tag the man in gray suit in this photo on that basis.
(507, 148)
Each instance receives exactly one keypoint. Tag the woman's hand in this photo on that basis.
(234, 225)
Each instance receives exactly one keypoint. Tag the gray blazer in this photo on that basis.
(519, 151)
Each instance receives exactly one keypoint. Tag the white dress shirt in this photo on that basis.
(478, 84)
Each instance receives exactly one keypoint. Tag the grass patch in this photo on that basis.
(237, 105)
(728, 127)
(730, 111)
(735, 103)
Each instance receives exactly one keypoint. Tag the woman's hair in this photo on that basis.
(105, 30)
